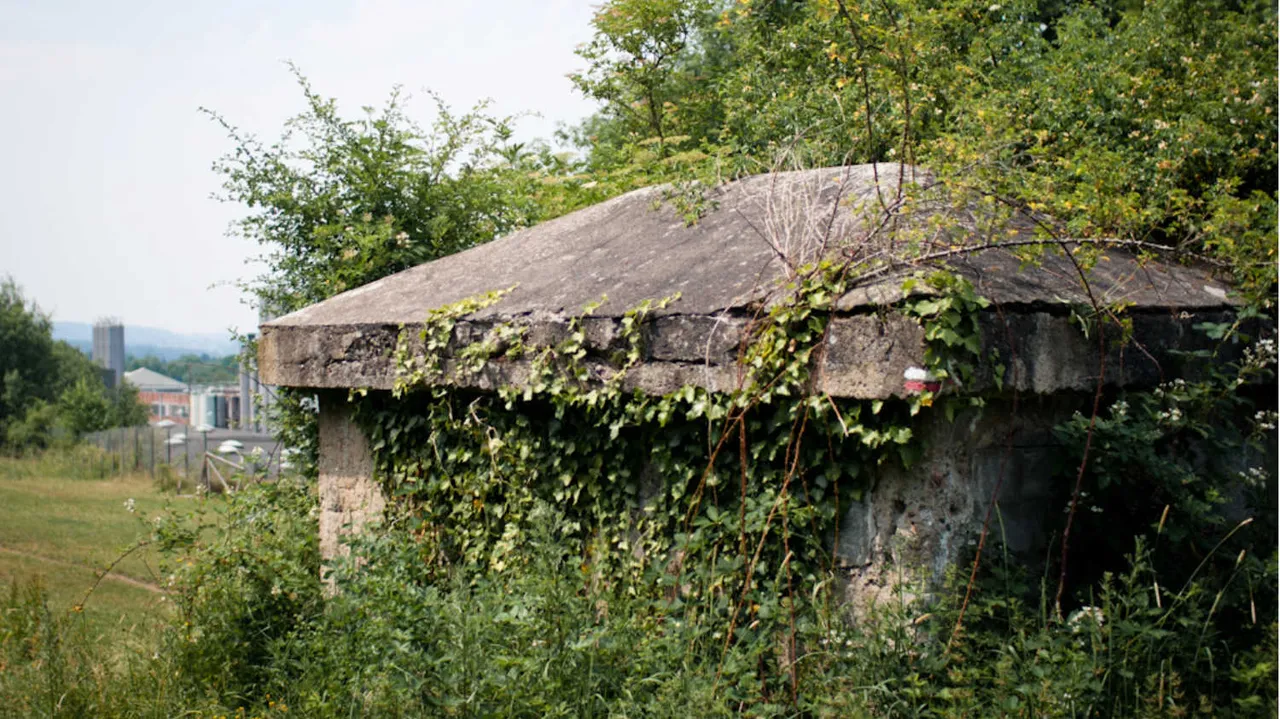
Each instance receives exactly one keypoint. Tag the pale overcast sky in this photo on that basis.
(105, 162)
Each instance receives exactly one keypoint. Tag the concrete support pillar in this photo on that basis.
(349, 495)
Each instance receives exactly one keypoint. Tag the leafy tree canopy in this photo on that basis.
(339, 202)
(1152, 121)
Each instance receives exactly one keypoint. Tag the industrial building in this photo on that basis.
(221, 406)
(240, 406)
(166, 397)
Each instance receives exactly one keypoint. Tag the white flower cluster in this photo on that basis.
(1254, 477)
(130, 505)
(1261, 354)
(1086, 613)
(1170, 416)
(1177, 386)
(1120, 409)
(1265, 420)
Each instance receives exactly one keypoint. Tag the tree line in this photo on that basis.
(49, 390)
(191, 368)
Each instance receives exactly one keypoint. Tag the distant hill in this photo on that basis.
(143, 341)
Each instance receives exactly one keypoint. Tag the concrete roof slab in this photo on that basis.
(635, 248)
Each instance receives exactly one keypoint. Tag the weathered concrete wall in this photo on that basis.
(865, 356)
(349, 494)
(915, 523)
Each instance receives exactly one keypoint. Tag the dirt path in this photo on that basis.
(62, 562)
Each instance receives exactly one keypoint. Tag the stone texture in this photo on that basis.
(349, 495)
(913, 524)
(865, 355)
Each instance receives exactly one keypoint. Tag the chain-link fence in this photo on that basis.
(216, 460)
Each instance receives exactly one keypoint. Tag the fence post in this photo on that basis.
(151, 442)
(137, 451)
(204, 461)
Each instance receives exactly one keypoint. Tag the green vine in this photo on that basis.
(716, 505)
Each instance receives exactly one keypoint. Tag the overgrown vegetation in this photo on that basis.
(572, 549)
(1145, 121)
(569, 548)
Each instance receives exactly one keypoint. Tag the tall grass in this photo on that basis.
(75, 461)
(254, 630)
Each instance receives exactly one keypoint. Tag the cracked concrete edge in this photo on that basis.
(864, 357)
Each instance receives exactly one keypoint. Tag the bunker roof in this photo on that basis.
(734, 259)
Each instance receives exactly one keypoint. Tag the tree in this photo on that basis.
(339, 203)
(26, 338)
(85, 408)
(1152, 121)
(643, 61)
(126, 409)
(35, 429)
(46, 385)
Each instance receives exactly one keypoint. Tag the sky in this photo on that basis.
(105, 159)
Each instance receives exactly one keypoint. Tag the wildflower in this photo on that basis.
(1078, 617)
(1120, 409)
(1254, 476)
(129, 505)
(1263, 353)
(1265, 420)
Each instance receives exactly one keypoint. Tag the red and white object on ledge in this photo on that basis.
(916, 380)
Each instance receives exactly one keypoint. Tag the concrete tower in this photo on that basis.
(108, 347)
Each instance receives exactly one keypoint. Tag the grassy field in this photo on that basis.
(62, 532)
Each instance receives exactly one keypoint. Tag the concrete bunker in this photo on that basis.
(742, 258)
